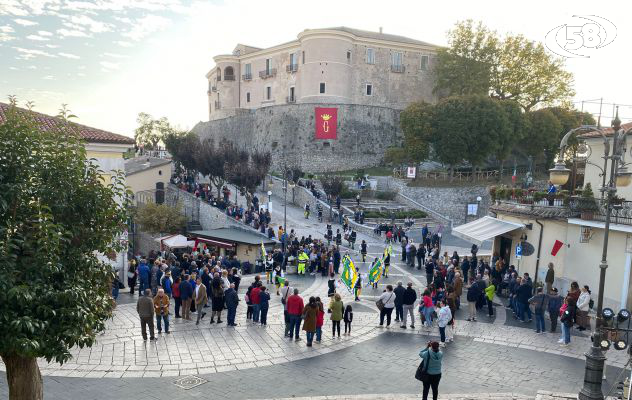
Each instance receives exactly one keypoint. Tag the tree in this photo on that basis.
(415, 123)
(467, 128)
(518, 128)
(542, 140)
(57, 214)
(182, 147)
(214, 160)
(332, 185)
(160, 218)
(248, 170)
(465, 66)
(151, 132)
(478, 61)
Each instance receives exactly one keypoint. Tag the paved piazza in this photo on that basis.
(494, 358)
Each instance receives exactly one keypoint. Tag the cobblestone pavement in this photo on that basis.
(248, 362)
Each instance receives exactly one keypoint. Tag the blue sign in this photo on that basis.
(518, 252)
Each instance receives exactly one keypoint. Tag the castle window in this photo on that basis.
(268, 92)
(322, 87)
(348, 56)
(369, 89)
(370, 56)
(248, 97)
(424, 62)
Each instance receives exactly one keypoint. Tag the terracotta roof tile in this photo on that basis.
(91, 135)
(608, 131)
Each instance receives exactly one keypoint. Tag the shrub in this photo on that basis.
(380, 195)
(398, 214)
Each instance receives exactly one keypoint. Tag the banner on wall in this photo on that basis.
(326, 122)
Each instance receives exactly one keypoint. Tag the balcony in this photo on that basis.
(290, 99)
(217, 105)
(229, 77)
(292, 68)
(268, 73)
(246, 77)
(400, 69)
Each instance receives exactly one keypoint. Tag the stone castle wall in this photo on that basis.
(288, 131)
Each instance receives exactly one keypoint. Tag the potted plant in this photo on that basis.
(537, 196)
(587, 204)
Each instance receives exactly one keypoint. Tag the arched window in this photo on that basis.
(229, 75)
(219, 74)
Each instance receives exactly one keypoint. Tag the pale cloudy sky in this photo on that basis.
(111, 59)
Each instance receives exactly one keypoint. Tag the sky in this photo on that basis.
(109, 60)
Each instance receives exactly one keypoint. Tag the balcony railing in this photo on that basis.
(290, 99)
(400, 69)
(229, 77)
(621, 211)
(247, 77)
(267, 73)
(292, 68)
(217, 105)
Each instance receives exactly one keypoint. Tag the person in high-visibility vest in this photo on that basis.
(303, 259)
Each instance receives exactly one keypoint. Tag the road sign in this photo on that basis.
(518, 252)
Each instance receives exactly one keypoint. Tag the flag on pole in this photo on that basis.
(376, 271)
(388, 251)
(264, 254)
(349, 274)
(514, 176)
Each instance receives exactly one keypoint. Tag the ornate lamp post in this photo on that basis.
(619, 176)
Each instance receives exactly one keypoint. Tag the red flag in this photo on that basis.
(556, 247)
(326, 122)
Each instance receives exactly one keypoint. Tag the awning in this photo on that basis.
(215, 243)
(175, 241)
(484, 228)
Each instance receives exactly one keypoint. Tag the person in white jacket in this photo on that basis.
(388, 300)
(583, 305)
(443, 318)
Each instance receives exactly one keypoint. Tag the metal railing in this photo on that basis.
(621, 211)
(229, 77)
(247, 77)
(267, 73)
(400, 69)
(292, 68)
(290, 99)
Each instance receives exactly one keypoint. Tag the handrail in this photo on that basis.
(443, 218)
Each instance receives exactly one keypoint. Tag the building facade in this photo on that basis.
(329, 66)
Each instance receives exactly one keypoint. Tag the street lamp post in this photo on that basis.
(619, 176)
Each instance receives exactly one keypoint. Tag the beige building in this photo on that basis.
(333, 66)
(143, 173)
(520, 221)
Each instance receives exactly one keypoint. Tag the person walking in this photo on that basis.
(539, 304)
(566, 319)
(186, 294)
(295, 311)
(201, 298)
(523, 294)
(264, 304)
(254, 298)
(217, 299)
(554, 305)
(408, 305)
(357, 288)
(432, 357)
(161, 308)
(337, 309)
(175, 291)
(399, 302)
(143, 275)
(388, 300)
(145, 310)
(444, 316)
(348, 318)
(232, 301)
(310, 314)
(320, 320)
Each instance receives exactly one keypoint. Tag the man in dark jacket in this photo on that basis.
(421, 254)
(523, 294)
(429, 272)
(145, 309)
(186, 294)
(473, 294)
(232, 300)
(399, 301)
(410, 297)
(143, 275)
(555, 303)
(550, 278)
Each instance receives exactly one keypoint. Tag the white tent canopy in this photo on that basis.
(484, 228)
(175, 241)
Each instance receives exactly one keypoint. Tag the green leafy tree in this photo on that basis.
(57, 214)
(247, 170)
(465, 66)
(152, 132)
(160, 218)
(478, 61)
(415, 123)
(517, 130)
(542, 141)
(182, 147)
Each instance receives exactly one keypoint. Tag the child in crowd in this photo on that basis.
(348, 317)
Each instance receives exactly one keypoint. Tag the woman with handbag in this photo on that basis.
(386, 304)
(430, 373)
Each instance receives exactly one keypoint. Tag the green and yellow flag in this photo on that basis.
(376, 271)
(264, 254)
(349, 274)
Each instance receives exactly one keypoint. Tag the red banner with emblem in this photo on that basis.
(326, 122)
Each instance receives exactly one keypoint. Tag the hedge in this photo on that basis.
(398, 214)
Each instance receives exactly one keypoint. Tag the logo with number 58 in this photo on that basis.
(572, 41)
